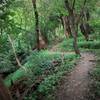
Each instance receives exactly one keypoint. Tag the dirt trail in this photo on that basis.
(76, 85)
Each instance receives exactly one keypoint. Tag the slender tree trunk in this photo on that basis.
(73, 24)
(36, 23)
(84, 25)
(66, 26)
(74, 32)
(74, 21)
(40, 40)
(85, 30)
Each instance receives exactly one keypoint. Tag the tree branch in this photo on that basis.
(11, 42)
(73, 6)
(81, 11)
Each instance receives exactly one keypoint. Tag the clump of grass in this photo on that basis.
(95, 76)
(89, 44)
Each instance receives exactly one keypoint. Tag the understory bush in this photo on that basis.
(49, 66)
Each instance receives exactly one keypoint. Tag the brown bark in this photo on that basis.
(74, 20)
(4, 92)
(73, 24)
(66, 26)
(36, 23)
(85, 30)
(40, 42)
(74, 32)
(84, 26)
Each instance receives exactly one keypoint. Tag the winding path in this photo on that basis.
(76, 85)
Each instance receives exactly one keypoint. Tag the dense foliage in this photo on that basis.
(37, 43)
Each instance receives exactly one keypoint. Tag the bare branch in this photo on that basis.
(17, 60)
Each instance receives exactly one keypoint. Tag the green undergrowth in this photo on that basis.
(94, 46)
(52, 79)
(42, 65)
(95, 76)
(93, 43)
(47, 86)
(89, 44)
(37, 63)
(50, 66)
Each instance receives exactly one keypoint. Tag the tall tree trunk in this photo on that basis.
(74, 20)
(73, 24)
(36, 23)
(74, 32)
(40, 42)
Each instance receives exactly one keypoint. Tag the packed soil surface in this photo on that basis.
(75, 86)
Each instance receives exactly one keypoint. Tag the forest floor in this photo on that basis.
(75, 86)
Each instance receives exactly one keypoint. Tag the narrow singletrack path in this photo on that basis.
(75, 86)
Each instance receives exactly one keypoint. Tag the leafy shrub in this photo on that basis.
(89, 44)
(5, 64)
